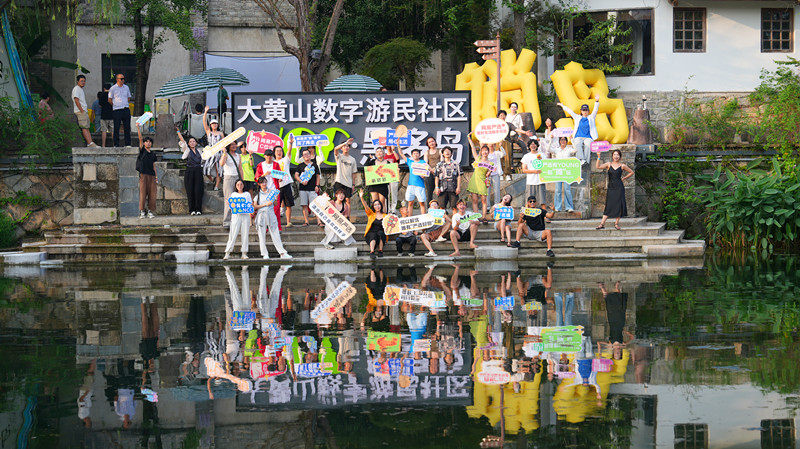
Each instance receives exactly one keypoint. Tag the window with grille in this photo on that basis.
(691, 436)
(777, 27)
(689, 30)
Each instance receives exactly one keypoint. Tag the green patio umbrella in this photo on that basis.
(226, 77)
(184, 85)
(353, 83)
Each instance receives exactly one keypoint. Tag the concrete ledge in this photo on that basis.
(496, 252)
(95, 215)
(21, 258)
(497, 265)
(336, 254)
(187, 256)
(335, 268)
(192, 271)
(690, 248)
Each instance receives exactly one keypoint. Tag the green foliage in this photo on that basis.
(8, 228)
(714, 123)
(399, 59)
(778, 97)
(752, 207)
(47, 141)
(680, 205)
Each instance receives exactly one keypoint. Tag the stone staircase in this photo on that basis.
(157, 239)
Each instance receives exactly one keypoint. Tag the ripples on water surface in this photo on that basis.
(409, 356)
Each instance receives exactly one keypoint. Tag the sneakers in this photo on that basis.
(440, 239)
(227, 256)
(550, 253)
(400, 254)
(430, 254)
(286, 256)
(91, 145)
(380, 253)
(265, 256)
(150, 214)
(141, 214)
(570, 210)
(329, 246)
(515, 244)
(244, 257)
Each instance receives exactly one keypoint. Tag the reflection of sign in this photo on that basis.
(337, 299)
(409, 224)
(311, 140)
(222, 144)
(144, 117)
(259, 142)
(242, 320)
(381, 174)
(421, 297)
(600, 146)
(240, 205)
(472, 302)
(420, 169)
(321, 207)
(559, 339)
(602, 365)
(383, 341)
(422, 345)
(562, 132)
(561, 170)
(531, 211)
(471, 217)
(313, 369)
(504, 303)
(503, 213)
(491, 130)
(308, 173)
(494, 377)
(391, 295)
(533, 305)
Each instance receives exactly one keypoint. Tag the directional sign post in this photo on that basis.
(490, 49)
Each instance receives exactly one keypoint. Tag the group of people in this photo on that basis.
(111, 110)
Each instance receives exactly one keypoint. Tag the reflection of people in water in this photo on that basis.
(616, 305)
(235, 301)
(536, 288)
(150, 330)
(85, 396)
(376, 315)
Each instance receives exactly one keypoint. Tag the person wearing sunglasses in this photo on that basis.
(532, 225)
(120, 96)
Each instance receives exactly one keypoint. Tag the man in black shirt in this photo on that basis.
(308, 189)
(106, 114)
(533, 225)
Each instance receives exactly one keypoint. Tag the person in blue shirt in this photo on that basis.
(416, 184)
(585, 130)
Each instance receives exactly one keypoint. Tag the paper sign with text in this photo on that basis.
(561, 170)
(562, 132)
(277, 174)
(311, 140)
(261, 141)
(503, 213)
(420, 169)
(531, 211)
(330, 216)
(471, 217)
(242, 320)
(383, 341)
(240, 205)
(491, 130)
(208, 152)
(494, 377)
(408, 224)
(422, 345)
(144, 118)
(381, 174)
(308, 173)
(600, 146)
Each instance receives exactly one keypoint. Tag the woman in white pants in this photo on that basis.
(240, 223)
(266, 218)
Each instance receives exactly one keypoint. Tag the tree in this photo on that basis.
(398, 59)
(312, 66)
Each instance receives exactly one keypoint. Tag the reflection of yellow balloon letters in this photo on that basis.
(576, 86)
(517, 84)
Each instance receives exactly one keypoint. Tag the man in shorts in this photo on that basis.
(533, 226)
(434, 233)
(416, 185)
(345, 171)
(309, 190)
(80, 108)
(463, 230)
(106, 114)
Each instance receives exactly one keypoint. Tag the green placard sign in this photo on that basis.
(561, 339)
(560, 170)
(381, 174)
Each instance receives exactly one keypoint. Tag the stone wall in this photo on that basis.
(47, 202)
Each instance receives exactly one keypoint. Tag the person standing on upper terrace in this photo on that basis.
(585, 130)
(119, 96)
(80, 108)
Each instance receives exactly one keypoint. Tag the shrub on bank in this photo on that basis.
(23, 133)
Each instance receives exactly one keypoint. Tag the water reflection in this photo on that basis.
(430, 356)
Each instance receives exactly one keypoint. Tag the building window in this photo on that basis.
(691, 436)
(112, 64)
(689, 30)
(639, 23)
(777, 434)
(776, 30)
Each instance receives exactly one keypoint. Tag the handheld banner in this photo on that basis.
(420, 169)
(475, 216)
(561, 170)
(531, 211)
(259, 142)
(491, 130)
(208, 152)
(487, 165)
(559, 339)
(383, 341)
(602, 365)
(472, 302)
(308, 173)
(503, 213)
(242, 320)
(562, 132)
(504, 303)
(407, 224)
(494, 377)
(240, 205)
(381, 174)
(391, 295)
(277, 174)
(311, 140)
(272, 194)
(533, 305)
(331, 217)
(144, 118)
(600, 146)
(438, 214)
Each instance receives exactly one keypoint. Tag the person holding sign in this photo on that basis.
(374, 234)
(267, 209)
(447, 177)
(213, 135)
(503, 225)
(434, 233)
(340, 204)
(345, 172)
(146, 166)
(416, 184)
(496, 156)
(193, 176)
(285, 183)
(615, 196)
(477, 183)
(240, 222)
(532, 225)
(585, 130)
(378, 192)
(464, 229)
(563, 151)
(534, 186)
(231, 167)
(409, 237)
(307, 175)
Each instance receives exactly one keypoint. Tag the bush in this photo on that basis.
(24, 134)
(779, 122)
(8, 228)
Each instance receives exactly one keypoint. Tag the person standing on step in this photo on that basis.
(378, 192)
(248, 169)
(193, 176)
(231, 167)
(345, 172)
(496, 156)
(416, 183)
(106, 115)
(533, 185)
(615, 196)
(447, 180)
(532, 225)
(309, 189)
(213, 135)
(81, 109)
(433, 156)
(267, 213)
(463, 229)
(478, 182)
(146, 166)
(563, 151)
(393, 187)
(585, 129)
(285, 183)
(240, 223)
(119, 96)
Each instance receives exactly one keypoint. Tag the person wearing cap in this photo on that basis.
(416, 183)
(213, 135)
(585, 130)
(532, 225)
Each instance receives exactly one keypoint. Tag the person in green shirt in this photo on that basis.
(248, 170)
(222, 101)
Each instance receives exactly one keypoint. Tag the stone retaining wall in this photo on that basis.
(47, 202)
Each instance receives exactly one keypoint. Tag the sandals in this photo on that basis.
(304, 224)
(600, 227)
(616, 226)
